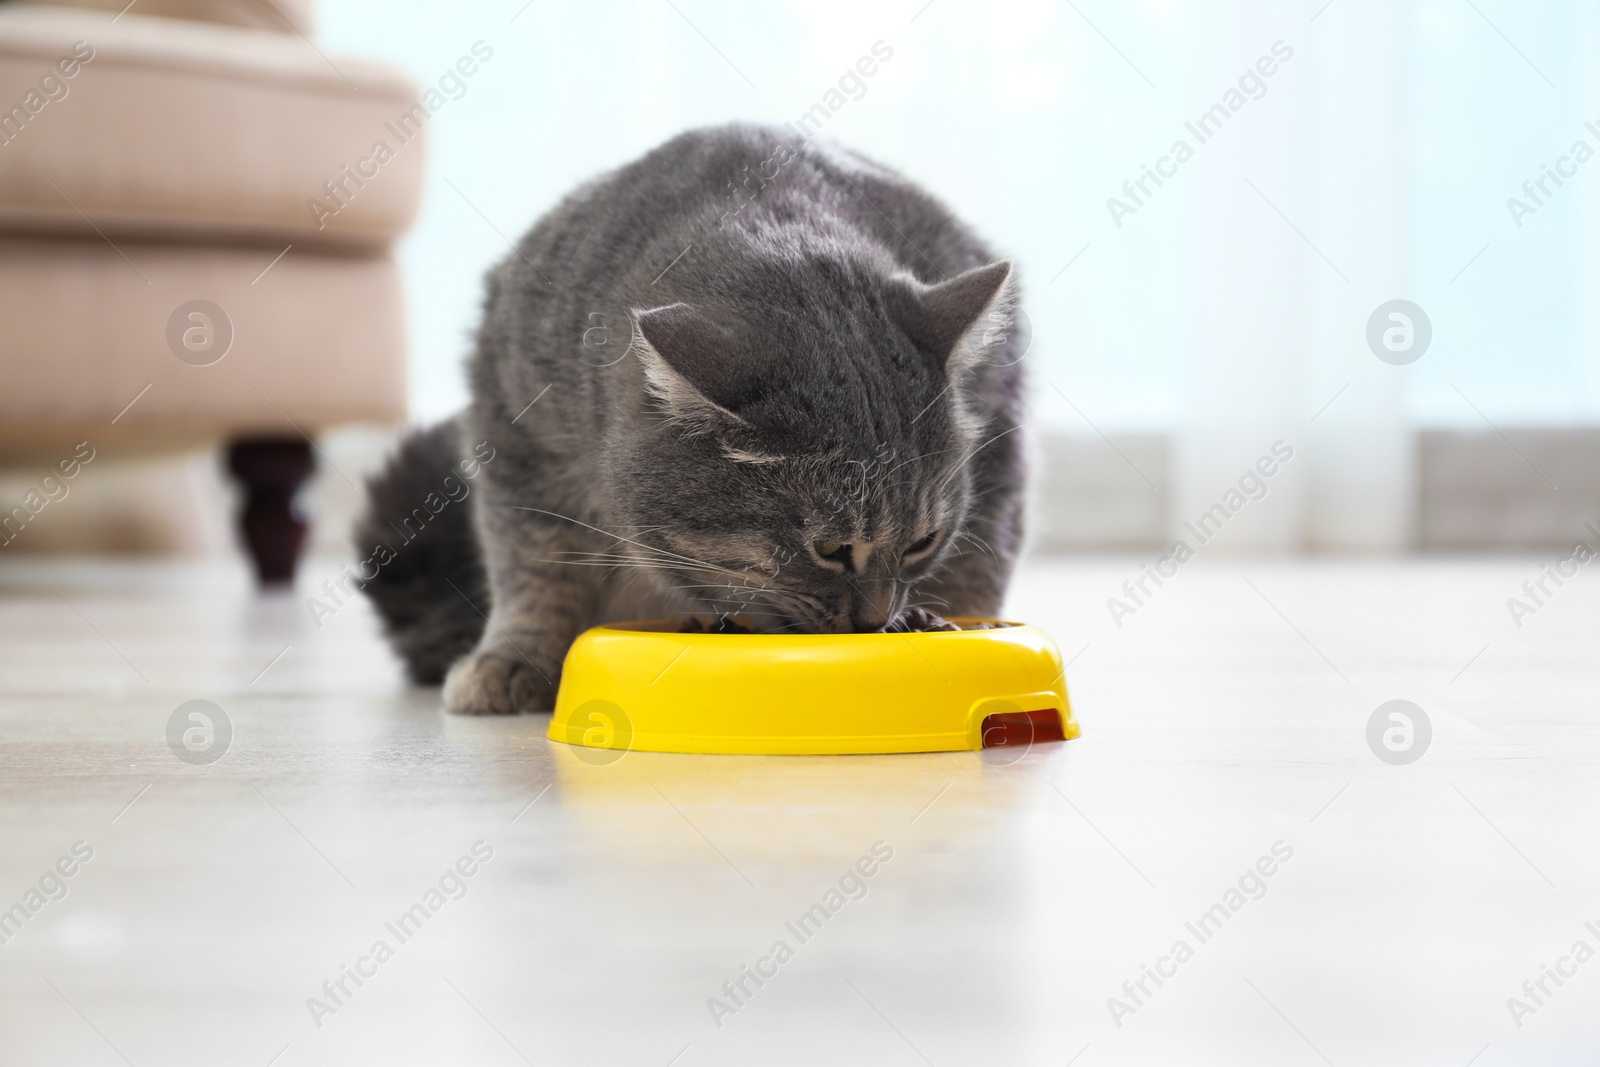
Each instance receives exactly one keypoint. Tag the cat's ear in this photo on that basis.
(959, 319)
(688, 359)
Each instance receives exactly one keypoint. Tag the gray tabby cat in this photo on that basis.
(738, 377)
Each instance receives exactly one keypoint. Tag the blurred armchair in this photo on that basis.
(197, 209)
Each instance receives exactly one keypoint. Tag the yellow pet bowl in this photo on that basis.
(647, 686)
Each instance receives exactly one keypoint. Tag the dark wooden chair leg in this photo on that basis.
(272, 469)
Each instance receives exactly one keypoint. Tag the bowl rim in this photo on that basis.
(666, 627)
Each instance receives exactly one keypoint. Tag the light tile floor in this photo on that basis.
(1225, 720)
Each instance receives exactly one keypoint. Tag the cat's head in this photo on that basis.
(804, 454)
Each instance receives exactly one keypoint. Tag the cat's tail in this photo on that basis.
(417, 532)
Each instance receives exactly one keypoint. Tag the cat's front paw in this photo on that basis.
(919, 620)
(497, 682)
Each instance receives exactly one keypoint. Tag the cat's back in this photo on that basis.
(732, 184)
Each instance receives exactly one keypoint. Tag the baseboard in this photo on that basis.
(1530, 490)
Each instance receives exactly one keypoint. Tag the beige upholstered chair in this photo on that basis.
(196, 225)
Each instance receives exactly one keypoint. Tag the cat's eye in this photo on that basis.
(833, 551)
(922, 544)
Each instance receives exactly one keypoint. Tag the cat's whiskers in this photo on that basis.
(980, 542)
(925, 598)
(743, 603)
(661, 558)
(624, 560)
(722, 605)
(968, 457)
(615, 565)
(913, 459)
(607, 533)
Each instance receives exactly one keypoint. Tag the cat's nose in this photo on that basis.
(869, 622)
(875, 607)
